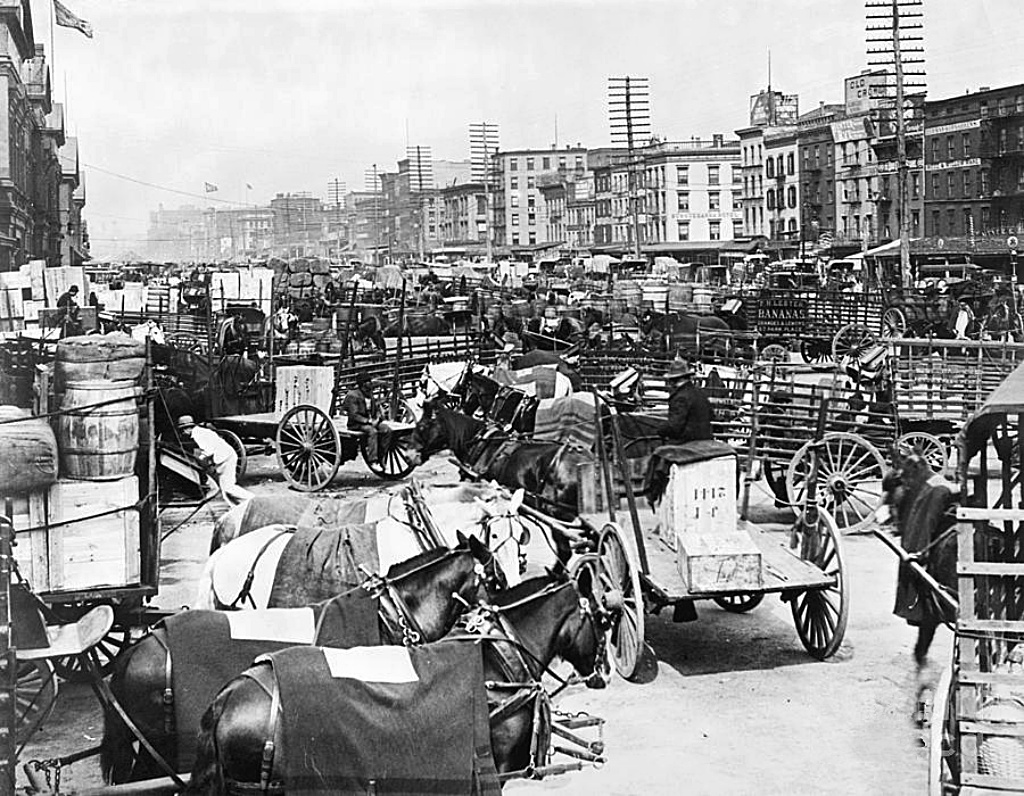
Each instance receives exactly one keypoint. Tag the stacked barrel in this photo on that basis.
(73, 476)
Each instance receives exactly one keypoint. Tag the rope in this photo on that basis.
(204, 503)
(145, 394)
(137, 506)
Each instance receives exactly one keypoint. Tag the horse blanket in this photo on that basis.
(395, 720)
(664, 457)
(565, 419)
(209, 648)
(318, 563)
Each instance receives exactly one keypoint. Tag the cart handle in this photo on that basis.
(917, 569)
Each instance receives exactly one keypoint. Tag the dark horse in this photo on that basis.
(661, 331)
(546, 470)
(547, 617)
(435, 587)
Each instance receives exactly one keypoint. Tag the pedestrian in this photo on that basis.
(69, 313)
(210, 445)
(360, 407)
(689, 411)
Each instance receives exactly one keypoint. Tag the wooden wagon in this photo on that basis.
(977, 729)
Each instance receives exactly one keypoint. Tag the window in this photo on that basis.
(950, 148)
(983, 182)
(935, 186)
(792, 225)
(715, 230)
(968, 221)
(950, 184)
(514, 200)
(769, 199)
(513, 164)
(714, 200)
(951, 221)
(684, 230)
(515, 240)
(515, 219)
(965, 144)
(769, 168)
(546, 164)
(531, 218)
(778, 166)
(713, 175)
(915, 223)
(682, 175)
(935, 149)
(771, 228)
(936, 230)
(561, 161)
(513, 183)
(965, 183)
(791, 163)
(529, 164)
(737, 178)
(531, 182)
(986, 219)
(737, 228)
(533, 237)
(791, 196)
(915, 185)
(579, 161)
(531, 201)
(684, 200)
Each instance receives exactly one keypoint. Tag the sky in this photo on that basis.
(287, 95)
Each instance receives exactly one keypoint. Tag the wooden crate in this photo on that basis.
(724, 561)
(700, 498)
(57, 555)
(303, 384)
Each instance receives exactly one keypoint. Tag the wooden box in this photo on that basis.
(724, 561)
(57, 555)
(303, 384)
(700, 498)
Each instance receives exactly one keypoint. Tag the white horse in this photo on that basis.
(492, 518)
(148, 330)
(437, 378)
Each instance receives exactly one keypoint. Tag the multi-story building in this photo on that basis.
(692, 191)
(464, 214)
(607, 165)
(364, 222)
(752, 207)
(75, 238)
(817, 173)
(177, 235)
(974, 163)
(782, 184)
(856, 182)
(580, 208)
(518, 204)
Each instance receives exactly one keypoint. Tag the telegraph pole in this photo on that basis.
(483, 144)
(335, 195)
(629, 115)
(896, 26)
(421, 179)
(372, 183)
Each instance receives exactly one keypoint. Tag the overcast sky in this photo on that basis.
(289, 94)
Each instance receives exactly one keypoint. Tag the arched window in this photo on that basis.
(791, 196)
(769, 197)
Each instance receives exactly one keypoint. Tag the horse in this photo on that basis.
(433, 587)
(523, 632)
(661, 331)
(547, 471)
(921, 505)
(368, 335)
(254, 561)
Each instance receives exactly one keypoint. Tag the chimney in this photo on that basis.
(718, 139)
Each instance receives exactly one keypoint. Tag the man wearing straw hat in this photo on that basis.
(220, 454)
(689, 411)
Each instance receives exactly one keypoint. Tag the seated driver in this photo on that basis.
(360, 408)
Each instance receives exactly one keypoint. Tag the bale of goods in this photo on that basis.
(680, 296)
(300, 292)
(115, 357)
(98, 443)
(320, 281)
(300, 280)
(28, 452)
(319, 267)
(299, 265)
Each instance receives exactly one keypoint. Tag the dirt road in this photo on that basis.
(730, 704)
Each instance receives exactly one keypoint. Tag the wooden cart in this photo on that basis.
(977, 729)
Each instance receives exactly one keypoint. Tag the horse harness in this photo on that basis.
(245, 594)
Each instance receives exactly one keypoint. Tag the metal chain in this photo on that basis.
(51, 769)
(410, 637)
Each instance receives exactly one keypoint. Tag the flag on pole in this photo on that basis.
(66, 19)
(210, 187)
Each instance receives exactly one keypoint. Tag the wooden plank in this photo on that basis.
(999, 783)
(991, 625)
(990, 568)
(989, 515)
(990, 728)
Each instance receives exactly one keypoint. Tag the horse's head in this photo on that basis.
(581, 639)
(429, 436)
(490, 576)
(901, 484)
(505, 534)
(563, 479)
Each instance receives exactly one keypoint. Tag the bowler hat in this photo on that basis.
(679, 369)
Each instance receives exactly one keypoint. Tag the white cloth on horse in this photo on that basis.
(225, 460)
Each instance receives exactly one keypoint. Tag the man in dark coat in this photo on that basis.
(69, 318)
(360, 407)
(689, 411)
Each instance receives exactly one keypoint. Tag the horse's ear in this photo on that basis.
(516, 501)
(584, 582)
(462, 539)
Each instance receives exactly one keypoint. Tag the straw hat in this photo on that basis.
(186, 422)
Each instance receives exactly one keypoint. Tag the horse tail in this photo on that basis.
(206, 597)
(207, 774)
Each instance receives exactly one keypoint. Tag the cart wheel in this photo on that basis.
(392, 463)
(894, 323)
(852, 341)
(774, 353)
(815, 352)
(821, 614)
(932, 448)
(35, 695)
(616, 577)
(232, 439)
(71, 668)
(308, 448)
(739, 603)
(850, 472)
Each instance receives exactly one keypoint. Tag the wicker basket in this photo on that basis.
(1000, 756)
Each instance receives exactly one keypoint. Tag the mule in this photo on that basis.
(434, 587)
(544, 618)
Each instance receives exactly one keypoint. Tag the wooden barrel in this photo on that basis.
(98, 443)
(112, 357)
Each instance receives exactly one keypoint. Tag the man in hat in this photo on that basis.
(212, 446)
(689, 411)
(361, 409)
(69, 318)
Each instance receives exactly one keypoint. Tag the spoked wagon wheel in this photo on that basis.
(232, 439)
(852, 341)
(615, 573)
(392, 462)
(739, 603)
(308, 448)
(815, 351)
(821, 614)
(932, 448)
(774, 353)
(894, 323)
(850, 472)
(35, 695)
(72, 669)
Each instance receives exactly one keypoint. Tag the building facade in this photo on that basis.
(816, 158)
(464, 214)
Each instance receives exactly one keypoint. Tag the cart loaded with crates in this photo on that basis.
(695, 544)
(78, 493)
(976, 741)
